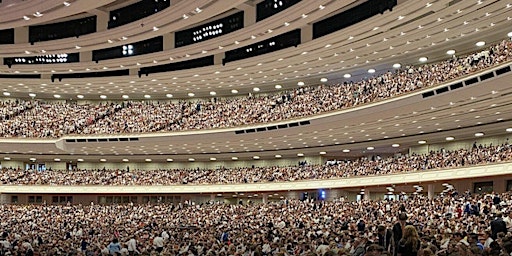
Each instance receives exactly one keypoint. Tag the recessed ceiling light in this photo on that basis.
(168, 95)
(126, 160)
(191, 159)
(370, 148)
(80, 96)
(148, 160)
(56, 96)
(169, 160)
(234, 158)
(234, 91)
(480, 43)
(213, 159)
(396, 145)
(7, 94)
(125, 97)
(323, 79)
(422, 142)
(66, 3)
(7, 158)
(103, 160)
(103, 96)
(423, 59)
(278, 86)
(300, 154)
(347, 75)
(479, 134)
(450, 52)
(26, 18)
(191, 94)
(212, 93)
(397, 65)
(509, 34)
(346, 150)
(256, 157)
(300, 83)
(278, 156)
(32, 159)
(147, 96)
(56, 159)
(449, 138)
(32, 95)
(323, 153)
(256, 89)
(371, 70)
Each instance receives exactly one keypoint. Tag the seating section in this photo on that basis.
(59, 119)
(285, 227)
(331, 170)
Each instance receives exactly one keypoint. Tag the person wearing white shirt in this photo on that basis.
(132, 245)
(158, 243)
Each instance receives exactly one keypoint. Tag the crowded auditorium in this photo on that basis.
(256, 127)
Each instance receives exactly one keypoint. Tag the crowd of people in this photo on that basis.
(449, 224)
(38, 119)
(365, 166)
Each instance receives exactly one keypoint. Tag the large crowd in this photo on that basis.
(365, 166)
(450, 225)
(40, 119)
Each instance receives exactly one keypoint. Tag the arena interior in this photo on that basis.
(256, 127)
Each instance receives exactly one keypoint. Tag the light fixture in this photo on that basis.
(103, 97)
(450, 52)
(480, 43)
(80, 160)
(508, 129)
(423, 59)
(449, 138)
(300, 83)
(300, 154)
(103, 160)
(191, 94)
(26, 18)
(347, 75)
(278, 156)
(509, 34)
(66, 3)
(169, 95)
(147, 96)
(278, 86)
(212, 93)
(346, 150)
(7, 158)
(256, 89)
(422, 142)
(397, 65)
(191, 159)
(370, 148)
(234, 91)
(371, 70)
(169, 160)
(80, 96)
(479, 134)
(56, 159)
(125, 97)
(32, 95)
(213, 159)
(56, 96)
(7, 94)
(234, 158)
(396, 145)
(32, 159)
(323, 153)
(255, 157)
(148, 160)
(323, 79)
(126, 160)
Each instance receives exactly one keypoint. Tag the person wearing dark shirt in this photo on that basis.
(384, 235)
(410, 243)
(498, 225)
(398, 231)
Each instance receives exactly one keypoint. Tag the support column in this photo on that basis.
(217, 58)
(249, 15)
(212, 197)
(430, 191)
(306, 33)
(264, 196)
(366, 195)
(4, 199)
(21, 35)
(168, 41)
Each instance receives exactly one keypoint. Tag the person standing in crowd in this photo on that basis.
(410, 243)
(158, 243)
(132, 245)
(498, 225)
(385, 236)
(114, 248)
(398, 230)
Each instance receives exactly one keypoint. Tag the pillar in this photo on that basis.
(21, 35)
(168, 41)
(306, 33)
(264, 197)
(366, 195)
(430, 191)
